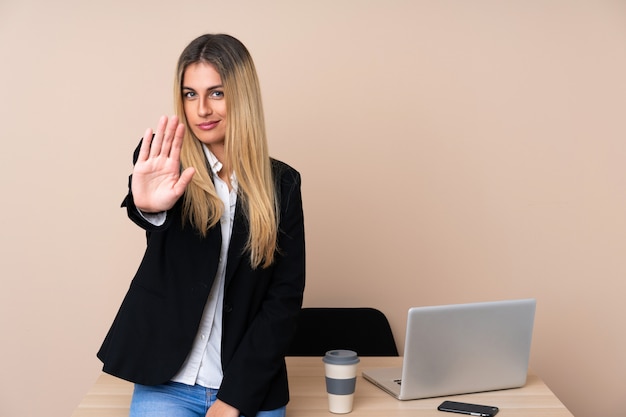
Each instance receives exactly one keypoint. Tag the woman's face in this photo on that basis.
(204, 104)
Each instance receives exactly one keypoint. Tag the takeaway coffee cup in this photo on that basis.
(340, 367)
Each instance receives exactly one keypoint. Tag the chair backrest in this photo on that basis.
(361, 329)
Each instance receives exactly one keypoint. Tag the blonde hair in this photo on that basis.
(246, 151)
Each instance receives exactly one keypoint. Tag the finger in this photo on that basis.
(170, 133)
(144, 150)
(157, 140)
(177, 143)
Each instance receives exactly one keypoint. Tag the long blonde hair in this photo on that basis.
(246, 150)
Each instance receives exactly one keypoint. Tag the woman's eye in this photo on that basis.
(189, 94)
(217, 94)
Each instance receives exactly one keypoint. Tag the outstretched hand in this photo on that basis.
(157, 182)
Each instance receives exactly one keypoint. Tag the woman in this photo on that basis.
(212, 308)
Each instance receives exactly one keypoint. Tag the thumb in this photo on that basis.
(184, 180)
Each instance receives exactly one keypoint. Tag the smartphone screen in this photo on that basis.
(470, 409)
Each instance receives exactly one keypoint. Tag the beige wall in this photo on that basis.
(452, 151)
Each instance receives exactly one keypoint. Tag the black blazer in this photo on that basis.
(158, 320)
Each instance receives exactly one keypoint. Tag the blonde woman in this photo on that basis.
(211, 311)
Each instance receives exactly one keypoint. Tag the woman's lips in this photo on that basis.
(207, 125)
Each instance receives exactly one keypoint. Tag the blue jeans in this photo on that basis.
(179, 400)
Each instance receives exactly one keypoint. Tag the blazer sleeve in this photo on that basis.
(257, 368)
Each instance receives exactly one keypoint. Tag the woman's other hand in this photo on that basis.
(157, 182)
(221, 409)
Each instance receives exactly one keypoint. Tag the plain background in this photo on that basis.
(451, 151)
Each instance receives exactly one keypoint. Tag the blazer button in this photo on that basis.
(228, 308)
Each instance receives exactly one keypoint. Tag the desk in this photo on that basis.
(110, 397)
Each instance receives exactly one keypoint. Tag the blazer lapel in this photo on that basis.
(238, 239)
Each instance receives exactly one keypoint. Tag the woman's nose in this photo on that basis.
(204, 108)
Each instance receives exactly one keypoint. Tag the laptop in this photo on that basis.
(461, 349)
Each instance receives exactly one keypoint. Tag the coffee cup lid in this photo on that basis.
(341, 357)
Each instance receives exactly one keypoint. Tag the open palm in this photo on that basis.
(157, 182)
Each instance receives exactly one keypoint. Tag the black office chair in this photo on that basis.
(362, 329)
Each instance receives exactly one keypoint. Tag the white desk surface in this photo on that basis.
(110, 396)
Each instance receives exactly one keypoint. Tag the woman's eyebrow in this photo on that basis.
(208, 88)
